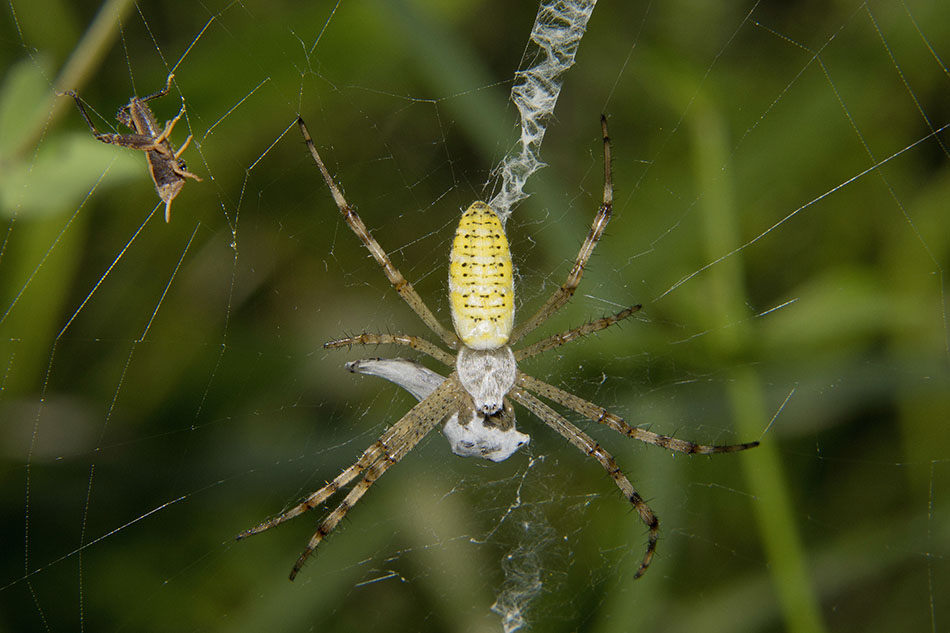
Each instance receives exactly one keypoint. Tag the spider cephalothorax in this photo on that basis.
(473, 404)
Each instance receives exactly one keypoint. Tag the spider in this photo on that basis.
(165, 165)
(474, 403)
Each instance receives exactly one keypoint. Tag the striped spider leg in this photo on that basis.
(563, 294)
(403, 287)
(165, 165)
(386, 452)
(584, 442)
(473, 405)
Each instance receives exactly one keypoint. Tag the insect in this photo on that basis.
(474, 403)
(165, 165)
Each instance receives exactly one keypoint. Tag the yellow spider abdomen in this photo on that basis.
(481, 285)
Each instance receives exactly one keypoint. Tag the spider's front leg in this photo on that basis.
(399, 283)
(386, 452)
(563, 294)
(382, 449)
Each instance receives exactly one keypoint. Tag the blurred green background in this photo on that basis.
(163, 388)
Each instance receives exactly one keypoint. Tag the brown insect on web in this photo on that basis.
(165, 165)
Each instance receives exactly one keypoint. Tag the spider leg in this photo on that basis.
(390, 439)
(368, 457)
(373, 473)
(399, 283)
(562, 338)
(429, 412)
(591, 448)
(391, 446)
(563, 294)
(415, 342)
(602, 416)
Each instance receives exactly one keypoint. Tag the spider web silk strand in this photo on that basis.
(555, 38)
